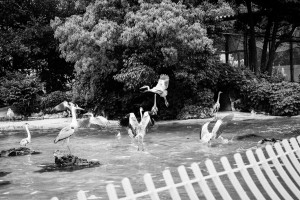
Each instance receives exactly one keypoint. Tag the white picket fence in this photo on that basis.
(281, 182)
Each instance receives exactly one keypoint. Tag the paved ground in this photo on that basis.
(62, 122)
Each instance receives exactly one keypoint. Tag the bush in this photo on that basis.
(21, 91)
(53, 99)
(194, 112)
(275, 98)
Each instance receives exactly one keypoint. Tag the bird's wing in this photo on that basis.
(133, 122)
(163, 82)
(100, 121)
(216, 129)
(64, 133)
(62, 106)
(221, 124)
(204, 130)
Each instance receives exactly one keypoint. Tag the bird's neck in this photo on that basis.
(28, 133)
(218, 97)
(154, 99)
(73, 110)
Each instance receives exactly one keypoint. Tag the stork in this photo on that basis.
(206, 136)
(27, 140)
(69, 130)
(216, 107)
(160, 89)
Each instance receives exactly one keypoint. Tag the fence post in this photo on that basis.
(150, 186)
(169, 182)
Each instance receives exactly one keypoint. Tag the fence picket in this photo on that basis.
(81, 195)
(281, 171)
(128, 189)
(261, 176)
(295, 145)
(271, 175)
(285, 160)
(202, 182)
(216, 179)
(252, 186)
(292, 155)
(150, 186)
(236, 184)
(169, 182)
(188, 186)
(111, 191)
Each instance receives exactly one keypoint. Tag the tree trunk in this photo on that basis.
(272, 49)
(263, 63)
(252, 41)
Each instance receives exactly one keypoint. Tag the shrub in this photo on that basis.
(275, 98)
(21, 91)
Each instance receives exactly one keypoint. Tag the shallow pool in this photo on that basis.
(166, 147)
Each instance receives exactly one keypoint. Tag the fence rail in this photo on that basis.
(281, 182)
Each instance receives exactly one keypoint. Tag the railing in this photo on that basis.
(281, 182)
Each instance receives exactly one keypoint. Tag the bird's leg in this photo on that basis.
(154, 108)
(142, 143)
(68, 141)
(166, 102)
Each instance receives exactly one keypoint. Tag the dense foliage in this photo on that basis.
(128, 47)
(275, 98)
(22, 92)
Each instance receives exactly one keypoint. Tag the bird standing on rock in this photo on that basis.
(69, 130)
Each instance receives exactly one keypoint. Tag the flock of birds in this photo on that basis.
(136, 130)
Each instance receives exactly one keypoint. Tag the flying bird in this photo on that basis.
(69, 130)
(27, 140)
(206, 136)
(160, 88)
(216, 107)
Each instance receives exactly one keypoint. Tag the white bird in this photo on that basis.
(10, 114)
(206, 136)
(160, 88)
(99, 120)
(216, 107)
(27, 140)
(142, 128)
(69, 130)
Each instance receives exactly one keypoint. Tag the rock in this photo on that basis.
(21, 151)
(68, 162)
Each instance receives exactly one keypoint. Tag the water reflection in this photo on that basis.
(166, 147)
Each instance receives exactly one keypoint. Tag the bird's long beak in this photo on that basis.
(78, 108)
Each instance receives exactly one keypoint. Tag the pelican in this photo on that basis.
(206, 136)
(69, 130)
(10, 114)
(99, 120)
(27, 140)
(160, 88)
(216, 107)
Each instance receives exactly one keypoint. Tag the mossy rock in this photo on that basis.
(68, 162)
(20, 151)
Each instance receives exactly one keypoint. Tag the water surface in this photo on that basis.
(166, 147)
